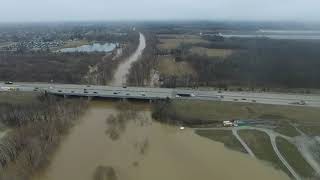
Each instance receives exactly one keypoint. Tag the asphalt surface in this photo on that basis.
(162, 93)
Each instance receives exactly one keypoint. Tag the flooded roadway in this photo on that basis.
(112, 143)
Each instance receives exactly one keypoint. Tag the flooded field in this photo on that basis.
(135, 147)
(120, 141)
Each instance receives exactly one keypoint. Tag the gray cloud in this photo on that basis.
(74, 10)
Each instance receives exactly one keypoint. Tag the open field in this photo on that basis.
(294, 158)
(260, 144)
(285, 128)
(224, 137)
(173, 41)
(212, 52)
(75, 43)
(311, 130)
(216, 110)
(281, 115)
(168, 66)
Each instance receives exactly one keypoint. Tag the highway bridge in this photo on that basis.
(163, 93)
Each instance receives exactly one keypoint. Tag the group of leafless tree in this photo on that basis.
(63, 68)
(35, 131)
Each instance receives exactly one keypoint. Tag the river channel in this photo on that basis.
(112, 141)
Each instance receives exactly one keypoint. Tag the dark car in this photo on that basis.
(8, 82)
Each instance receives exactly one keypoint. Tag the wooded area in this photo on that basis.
(263, 62)
(35, 131)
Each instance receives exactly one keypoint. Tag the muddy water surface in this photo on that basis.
(143, 149)
(110, 143)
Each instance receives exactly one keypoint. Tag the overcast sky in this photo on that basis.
(77, 10)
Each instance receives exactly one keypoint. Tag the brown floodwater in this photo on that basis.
(110, 143)
(138, 148)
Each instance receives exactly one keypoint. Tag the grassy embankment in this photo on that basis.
(224, 137)
(294, 158)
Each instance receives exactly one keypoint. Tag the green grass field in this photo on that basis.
(287, 129)
(311, 130)
(260, 144)
(173, 41)
(217, 110)
(212, 52)
(294, 158)
(224, 137)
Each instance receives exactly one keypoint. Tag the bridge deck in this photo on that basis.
(163, 93)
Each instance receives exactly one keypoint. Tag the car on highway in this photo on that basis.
(299, 103)
(8, 82)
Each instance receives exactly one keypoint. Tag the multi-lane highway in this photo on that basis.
(163, 93)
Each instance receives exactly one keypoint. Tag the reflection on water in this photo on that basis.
(146, 150)
(96, 47)
(116, 124)
(104, 173)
